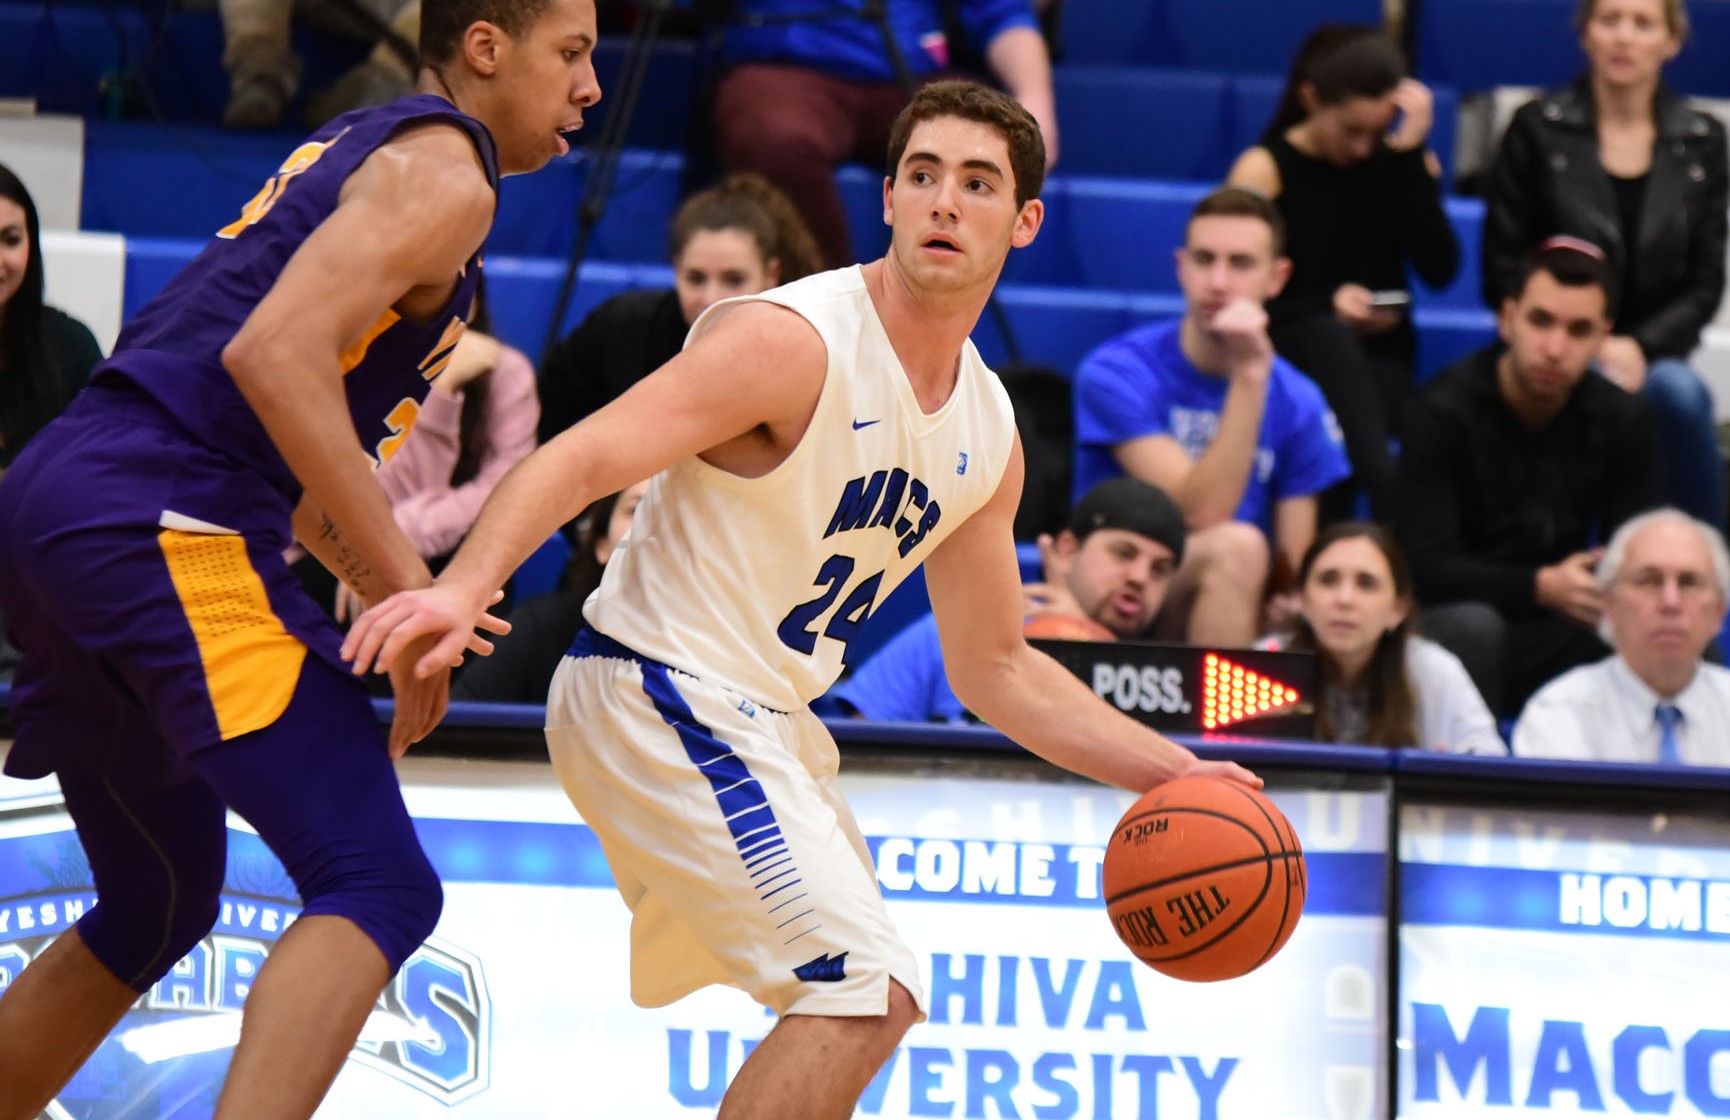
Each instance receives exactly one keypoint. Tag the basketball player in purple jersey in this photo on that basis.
(172, 667)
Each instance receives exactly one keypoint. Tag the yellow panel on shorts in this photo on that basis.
(251, 662)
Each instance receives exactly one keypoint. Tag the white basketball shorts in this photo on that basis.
(727, 835)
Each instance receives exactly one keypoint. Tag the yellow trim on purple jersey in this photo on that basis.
(251, 662)
(356, 352)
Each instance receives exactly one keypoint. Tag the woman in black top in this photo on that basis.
(45, 354)
(1618, 159)
(735, 239)
(1344, 160)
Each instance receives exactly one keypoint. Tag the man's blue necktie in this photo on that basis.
(1669, 746)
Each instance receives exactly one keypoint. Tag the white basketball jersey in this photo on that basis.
(760, 583)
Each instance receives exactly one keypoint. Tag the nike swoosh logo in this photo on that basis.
(857, 424)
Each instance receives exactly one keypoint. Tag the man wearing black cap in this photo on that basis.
(1113, 565)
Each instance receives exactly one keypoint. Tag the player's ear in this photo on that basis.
(1027, 223)
(888, 210)
(481, 43)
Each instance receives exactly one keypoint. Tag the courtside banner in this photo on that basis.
(518, 1007)
(1563, 965)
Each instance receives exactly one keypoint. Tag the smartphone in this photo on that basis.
(1391, 297)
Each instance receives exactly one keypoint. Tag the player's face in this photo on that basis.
(14, 250)
(1119, 578)
(952, 205)
(1629, 41)
(1665, 605)
(1350, 600)
(1346, 133)
(1553, 331)
(718, 264)
(1226, 258)
(548, 79)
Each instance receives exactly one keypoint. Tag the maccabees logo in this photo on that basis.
(431, 1029)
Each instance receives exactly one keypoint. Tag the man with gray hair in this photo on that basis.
(1666, 580)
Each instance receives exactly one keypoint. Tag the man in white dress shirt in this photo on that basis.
(1665, 580)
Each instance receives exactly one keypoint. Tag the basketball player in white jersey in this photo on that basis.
(816, 442)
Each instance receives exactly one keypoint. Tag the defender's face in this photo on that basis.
(952, 207)
(547, 79)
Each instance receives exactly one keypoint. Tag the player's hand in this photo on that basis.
(1241, 327)
(1229, 771)
(420, 701)
(446, 614)
(1417, 113)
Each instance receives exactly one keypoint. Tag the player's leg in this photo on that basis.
(157, 856)
(823, 1062)
(319, 787)
(814, 1067)
(744, 870)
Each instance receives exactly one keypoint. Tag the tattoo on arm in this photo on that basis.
(350, 568)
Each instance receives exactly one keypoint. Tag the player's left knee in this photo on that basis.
(398, 907)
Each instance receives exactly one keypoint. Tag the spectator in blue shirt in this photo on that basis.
(1112, 565)
(811, 83)
(1203, 409)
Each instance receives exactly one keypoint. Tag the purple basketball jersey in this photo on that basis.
(172, 348)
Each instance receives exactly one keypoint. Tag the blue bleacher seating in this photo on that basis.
(540, 573)
(1481, 44)
(1233, 35)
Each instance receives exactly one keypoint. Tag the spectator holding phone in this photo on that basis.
(1620, 160)
(1344, 159)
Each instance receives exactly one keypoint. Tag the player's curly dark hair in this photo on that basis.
(443, 22)
(971, 101)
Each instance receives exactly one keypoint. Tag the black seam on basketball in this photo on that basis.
(1268, 859)
(1261, 807)
(1280, 934)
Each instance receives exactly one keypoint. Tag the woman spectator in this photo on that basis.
(1381, 684)
(521, 666)
(735, 239)
(475, 425)
(1619, 160)
(45, 354)
(1344, 160)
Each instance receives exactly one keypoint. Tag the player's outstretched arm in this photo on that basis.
(409, 219)
(760, 369)
(976, 594)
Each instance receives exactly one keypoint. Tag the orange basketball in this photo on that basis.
(1070, 627)
(1204, 879)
